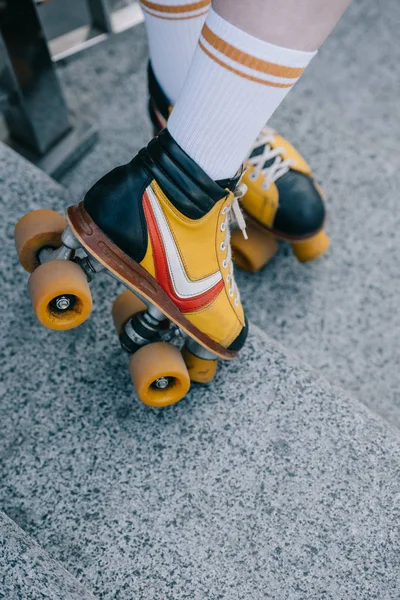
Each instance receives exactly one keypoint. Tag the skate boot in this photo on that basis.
(159, 225)
(283, 201)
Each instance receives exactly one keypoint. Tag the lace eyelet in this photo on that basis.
(224, 210)
(228, 279)
(231, 292)
(223, 247)
(236, 302)
(253, 176)
(225, 263)
(223, 227)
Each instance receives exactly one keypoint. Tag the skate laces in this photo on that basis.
(233, 214)
(277, 168)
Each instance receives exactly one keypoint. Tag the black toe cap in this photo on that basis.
(301, 210)
(239, 341)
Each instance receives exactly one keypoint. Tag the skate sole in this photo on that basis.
(134, 276)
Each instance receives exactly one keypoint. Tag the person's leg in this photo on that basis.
(173, 29)
(238, 77)
(298, 24)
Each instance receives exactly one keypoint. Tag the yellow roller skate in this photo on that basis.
(160, 226)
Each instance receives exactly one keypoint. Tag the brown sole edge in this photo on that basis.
(135, 277)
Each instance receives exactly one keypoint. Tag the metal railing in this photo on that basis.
(37, 121)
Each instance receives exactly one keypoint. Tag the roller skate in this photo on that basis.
(283, 200)
(159, 225)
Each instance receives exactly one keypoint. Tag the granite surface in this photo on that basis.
(339, 314)
(28, 573)
(268, 483)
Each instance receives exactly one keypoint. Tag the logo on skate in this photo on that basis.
(187, 294)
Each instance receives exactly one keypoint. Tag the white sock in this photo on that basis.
(173, 30)
(233, 86)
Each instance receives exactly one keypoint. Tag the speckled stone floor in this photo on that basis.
(268, 483)
(340, 314)
(28, 573)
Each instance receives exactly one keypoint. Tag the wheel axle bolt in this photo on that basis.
(161, 383)
(62, 303)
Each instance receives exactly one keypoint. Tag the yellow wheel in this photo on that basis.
(159, 374)
(252, 254)
(36, 230)
(311, 249)
(60, 294)
(200, 369)
(125, 307)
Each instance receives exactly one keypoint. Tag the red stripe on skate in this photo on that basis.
(185, 305)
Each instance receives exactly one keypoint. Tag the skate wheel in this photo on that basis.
(159, 374)
(312, 248)
(125, 307)
(60, 294)
(252, 254)
(200, 370)
(36, 230)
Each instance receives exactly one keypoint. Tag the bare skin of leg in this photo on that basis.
(296, 24)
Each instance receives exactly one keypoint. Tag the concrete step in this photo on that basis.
(28, 573)
(340, 314)
(268, 483)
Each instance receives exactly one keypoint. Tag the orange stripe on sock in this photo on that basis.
(176, 18)
(241, 74)
(182, 8)
(247, 60)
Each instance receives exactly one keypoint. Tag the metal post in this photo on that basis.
(39, 117)
(100, 15)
